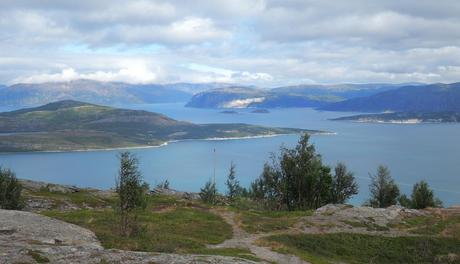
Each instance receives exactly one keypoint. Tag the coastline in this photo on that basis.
(398, 122)
(319, 133)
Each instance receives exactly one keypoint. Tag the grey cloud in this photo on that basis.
(264, 42)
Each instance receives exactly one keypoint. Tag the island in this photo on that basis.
(73, 125)
(405, 118)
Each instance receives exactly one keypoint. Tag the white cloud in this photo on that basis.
(132, 72)
(261, 42)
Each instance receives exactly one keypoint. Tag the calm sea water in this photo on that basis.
(413, 152)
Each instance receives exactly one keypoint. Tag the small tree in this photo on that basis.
(295, 180)
(343, 184)
(131, 190)
(404, 201)
(233, 185)
(423, 197)
(10, 190)
(383, 189)
(209, 192)
(163, 185)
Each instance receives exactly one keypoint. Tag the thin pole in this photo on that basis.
(214, 176)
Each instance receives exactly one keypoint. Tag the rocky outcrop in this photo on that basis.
(38, 186)
(27, 237)
(175, 193)
(379, 216)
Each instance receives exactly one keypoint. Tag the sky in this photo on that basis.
(266, 43)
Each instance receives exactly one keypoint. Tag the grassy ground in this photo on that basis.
(368, 225)
(359, 248)
(448, 225)
(175, 225)
(269, 221)
(167, 225)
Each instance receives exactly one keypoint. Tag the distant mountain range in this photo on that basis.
(72, 125)
(343, 97)
(109, 93)
(421, 98)
(414, 97)
(289, 96)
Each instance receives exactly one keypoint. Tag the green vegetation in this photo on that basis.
(298, 180)
(168, 225)
(268, 221)
(131, 191)
(163, 185)
(385, 192)
(383, 189)
(233, 185)
(370, 226)
(209, 192)
(72, 125)
(432, 225)
(423, 197)
(10, 190)
(38, 256)
(343, 184)
(359, 248)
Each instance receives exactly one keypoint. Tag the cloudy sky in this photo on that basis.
(260, 42)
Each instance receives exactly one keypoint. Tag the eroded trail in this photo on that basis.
(245, 240)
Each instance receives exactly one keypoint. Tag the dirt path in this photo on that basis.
(245, 240)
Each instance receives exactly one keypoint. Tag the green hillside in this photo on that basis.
(72, 125)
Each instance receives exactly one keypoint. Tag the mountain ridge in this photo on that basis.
(113, 93)
(436, 97)
(286, 96)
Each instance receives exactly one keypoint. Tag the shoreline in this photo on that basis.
(164, 144)
(396, 122)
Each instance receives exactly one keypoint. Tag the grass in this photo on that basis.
(432, 225)
(166, 225)
(180, 230)
(360, 248)
(368, 225)
(268, 221)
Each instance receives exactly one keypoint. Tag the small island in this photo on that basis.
(72, 125)
(404, 118)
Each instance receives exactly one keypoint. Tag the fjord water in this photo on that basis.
(428, 152)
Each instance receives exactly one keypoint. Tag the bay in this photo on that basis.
(412, 152)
